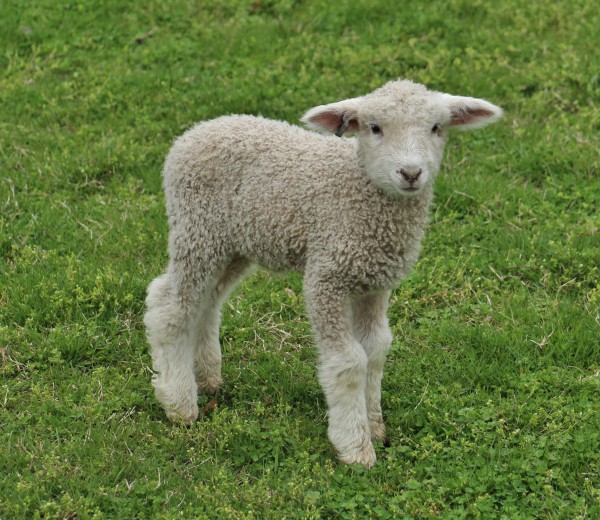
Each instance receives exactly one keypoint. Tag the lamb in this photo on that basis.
(349, 213)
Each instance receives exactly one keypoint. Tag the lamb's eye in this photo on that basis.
(376, 129)
(436, 129)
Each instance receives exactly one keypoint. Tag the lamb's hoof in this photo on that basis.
(182, 414)
(209, 386)
(386, 442)
(180, 401)
(377, 428)
(365, 456)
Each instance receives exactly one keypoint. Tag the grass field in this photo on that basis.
(492, 389)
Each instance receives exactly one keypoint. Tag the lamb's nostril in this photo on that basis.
(410, 175)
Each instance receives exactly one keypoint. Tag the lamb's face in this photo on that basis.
(402, 129)
(402, 149)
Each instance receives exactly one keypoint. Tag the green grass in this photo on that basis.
(492, 389)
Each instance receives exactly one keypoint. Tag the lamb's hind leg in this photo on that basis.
(371, 329)
(207, 350)
(170, 324)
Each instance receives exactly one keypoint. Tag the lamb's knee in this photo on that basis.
(381, 337)
(343, 371)
(158, 300)
(158, 291)
(166, 315)
(377, 344)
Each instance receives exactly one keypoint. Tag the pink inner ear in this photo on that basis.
(466, 115)
(328, 120)
(332, 121)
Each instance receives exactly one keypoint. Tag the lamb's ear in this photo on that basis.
(336, 117)
(467, 112)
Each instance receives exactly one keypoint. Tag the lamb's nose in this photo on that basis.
(410, 174)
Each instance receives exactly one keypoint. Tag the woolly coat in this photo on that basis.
(287, 199)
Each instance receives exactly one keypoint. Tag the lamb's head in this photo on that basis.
(402, 130)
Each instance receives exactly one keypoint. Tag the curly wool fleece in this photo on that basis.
(347, 213)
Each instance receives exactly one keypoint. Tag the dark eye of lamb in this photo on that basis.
(436, 128)
(376, 129)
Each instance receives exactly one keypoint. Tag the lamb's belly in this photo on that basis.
(274, 251)
(277, 260)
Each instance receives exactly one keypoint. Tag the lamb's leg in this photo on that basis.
(371, 328)
(170, 324)
(207, 351)
(342, 372)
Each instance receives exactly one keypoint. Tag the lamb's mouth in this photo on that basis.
(410, 189)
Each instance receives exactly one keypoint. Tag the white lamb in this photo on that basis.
(348, 213)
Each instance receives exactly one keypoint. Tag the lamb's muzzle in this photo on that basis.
(410, 175)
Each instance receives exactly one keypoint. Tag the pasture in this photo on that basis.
(492, 388)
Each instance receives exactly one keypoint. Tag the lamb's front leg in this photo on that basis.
(342, 372)
(371, 328)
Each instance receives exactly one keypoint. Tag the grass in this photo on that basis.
(492, 386)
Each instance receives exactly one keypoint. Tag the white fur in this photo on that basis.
(348, 213)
